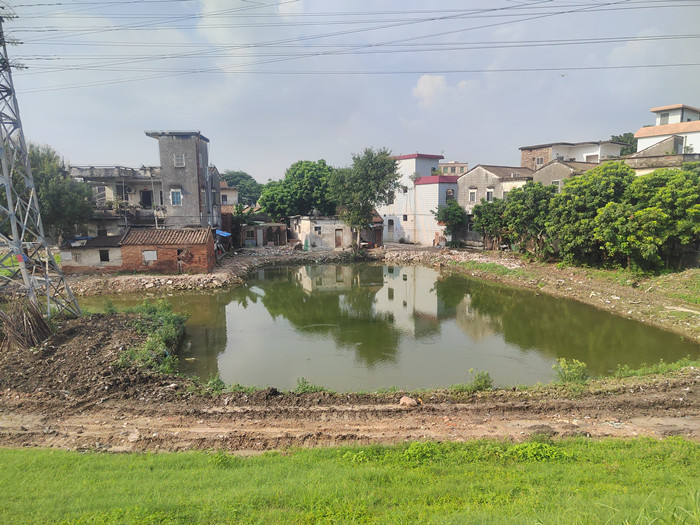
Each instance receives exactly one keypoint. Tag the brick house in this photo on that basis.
(168, 251)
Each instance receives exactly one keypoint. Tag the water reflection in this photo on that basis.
(352, 327)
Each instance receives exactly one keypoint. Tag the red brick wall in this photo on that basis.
(200, 258)
(528, 156)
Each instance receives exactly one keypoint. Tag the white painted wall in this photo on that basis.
(428, 198)
(579, 153)
(692, 141)
(90, 257)
(304, 229)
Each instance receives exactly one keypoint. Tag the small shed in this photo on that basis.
(323, 233)
(168, 251)
(101, 254)
(264, 234)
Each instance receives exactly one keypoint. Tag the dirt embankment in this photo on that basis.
(70, 394)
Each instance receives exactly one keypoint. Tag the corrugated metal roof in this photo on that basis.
(162, 237)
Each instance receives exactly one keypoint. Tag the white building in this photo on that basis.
(405, 217)
(535, 157)
(677, 120)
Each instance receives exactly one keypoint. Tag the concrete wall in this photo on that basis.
(428, 198)
(480, 180)
(198, 259)
(691, 141)
(76, 261)
(305, 230)
(553, 172)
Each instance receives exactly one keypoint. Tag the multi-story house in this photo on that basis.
(421, 189)
(453, 167)
(183, 192)
(557, 171)
(488, 183)
(535, 157)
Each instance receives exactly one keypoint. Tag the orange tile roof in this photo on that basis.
(673, 106)
(668, 129)
(160, 237)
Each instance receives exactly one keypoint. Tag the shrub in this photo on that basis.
(570, 371)
(304, 387)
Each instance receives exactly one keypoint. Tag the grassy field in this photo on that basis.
(539, 481)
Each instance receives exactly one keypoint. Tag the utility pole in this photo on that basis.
(27, 265)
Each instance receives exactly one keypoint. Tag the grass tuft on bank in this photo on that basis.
(537, 481)
(164, 328)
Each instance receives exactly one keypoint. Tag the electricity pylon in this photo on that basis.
(27, 265)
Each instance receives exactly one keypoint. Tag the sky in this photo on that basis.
(272, 82)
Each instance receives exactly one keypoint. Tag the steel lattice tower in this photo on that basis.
(27, 265)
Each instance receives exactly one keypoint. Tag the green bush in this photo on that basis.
(482, 381)
(304, 387)
(570, 370)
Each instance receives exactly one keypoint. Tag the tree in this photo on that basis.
(574, 209)
(627, 138)
(64, 203)
(527, 212)
(489, 219)
(248, 188)
(303, 189)
(676, 194)
(370, 182)
(453, 216)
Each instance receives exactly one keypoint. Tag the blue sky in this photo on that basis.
(274, 82)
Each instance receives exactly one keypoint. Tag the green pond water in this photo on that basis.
(366, 327)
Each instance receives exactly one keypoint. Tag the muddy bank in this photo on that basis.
(70, 394)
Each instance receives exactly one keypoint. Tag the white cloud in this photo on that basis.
(430, 89)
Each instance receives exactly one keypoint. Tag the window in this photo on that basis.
(461, 169)
(317, 230)
(444, 169)
(556, 184)
(104, 255)
(472, 195)
(453, 169)
(179, 160)
(76, 256)
(539, 161)
(405, 189)
(505, 194)
(405, 277)
(224, 199)
(391, 222)
(176, 197)
(405, 218)
(250, 234)
(390, 293)
(150, 255)
(489, 195)
(663, 119)
(449, 195)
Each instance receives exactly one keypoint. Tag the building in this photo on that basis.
(557, 171)
(323, 233)
(678, 120)
(229, 196)
(430, 192)
(453, 167)
(489, 182)
(168, 251)
(401, 216)
(669, 153)
(263, 234)
(92, 255)
(184, 191)
(535, 157)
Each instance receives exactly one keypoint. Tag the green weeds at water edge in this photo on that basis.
(482, 381)
(165, 330)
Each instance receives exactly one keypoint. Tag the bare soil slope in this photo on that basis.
(70, 394)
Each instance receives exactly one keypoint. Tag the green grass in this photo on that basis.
(492, 268)
(657, 368)
(165, 330)
(540, 481)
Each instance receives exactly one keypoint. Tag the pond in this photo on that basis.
(365, 327)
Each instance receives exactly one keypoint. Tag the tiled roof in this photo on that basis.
(418, 156)
(437, 179)
(668, 129)
(576, 167)
(228, 208)
(161, 237)
(103, 241)
(506, 172)
(223, 184)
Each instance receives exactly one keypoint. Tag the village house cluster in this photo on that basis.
(173, 217)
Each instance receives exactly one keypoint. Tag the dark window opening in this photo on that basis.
(104, 255)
